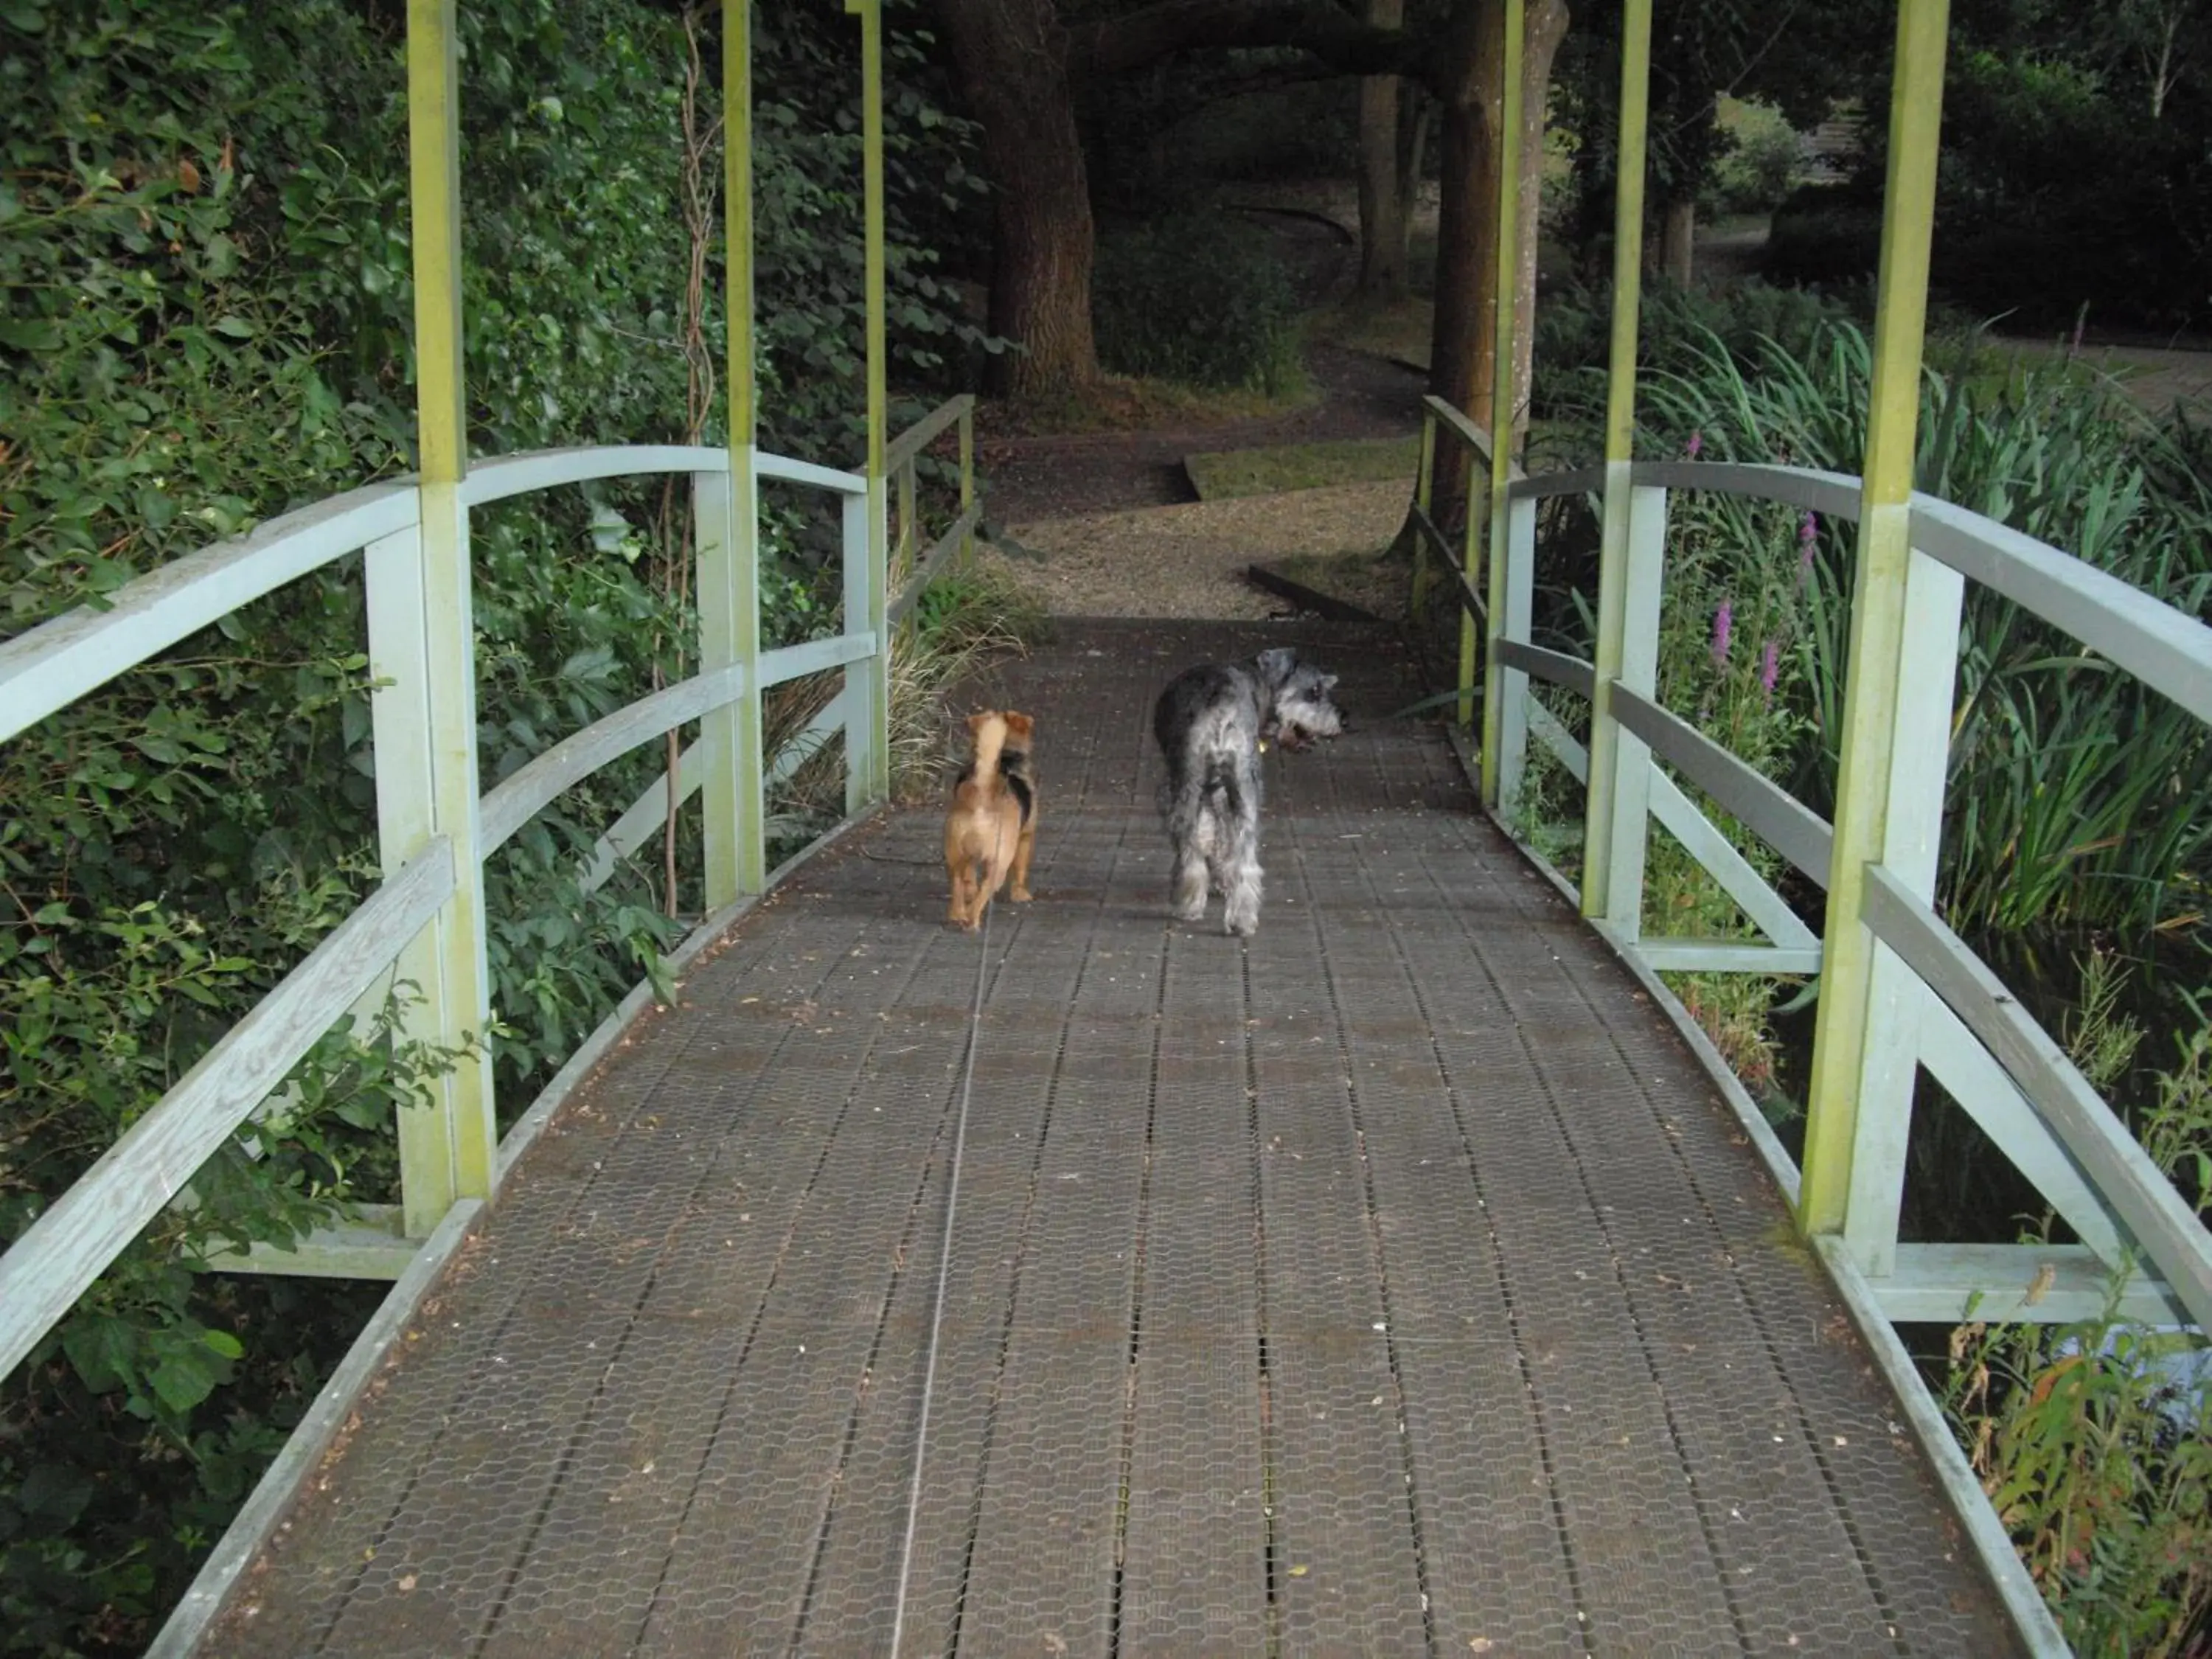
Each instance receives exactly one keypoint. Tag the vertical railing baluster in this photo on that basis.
(729, 737)
(1856, 1036)
(422, 643)
(1424, 499)
(1520, 562)
(1617, 823)
(864, 679)
(902, 549)
(1913, 838)
(1471, 552)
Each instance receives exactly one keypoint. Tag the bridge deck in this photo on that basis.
(1395, 1284)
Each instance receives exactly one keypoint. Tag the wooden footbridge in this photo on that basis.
(1396, 1283)
(1408, 1279)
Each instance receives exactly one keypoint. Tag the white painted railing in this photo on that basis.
(433, 845)
(1942, 1007)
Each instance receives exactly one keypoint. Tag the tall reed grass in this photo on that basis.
(2076, 797)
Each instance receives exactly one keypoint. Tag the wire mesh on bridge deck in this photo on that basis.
(1395, 1283)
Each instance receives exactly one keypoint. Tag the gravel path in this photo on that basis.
(1189, 560)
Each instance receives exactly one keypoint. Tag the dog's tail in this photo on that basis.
(990, 740)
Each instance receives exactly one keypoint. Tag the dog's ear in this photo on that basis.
(1328, 682)
(1278, 664)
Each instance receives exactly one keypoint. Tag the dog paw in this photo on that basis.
(1021, 896)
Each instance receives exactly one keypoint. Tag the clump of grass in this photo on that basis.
(962, 621)
(2077, 796)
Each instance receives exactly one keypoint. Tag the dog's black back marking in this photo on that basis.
(1024, 791)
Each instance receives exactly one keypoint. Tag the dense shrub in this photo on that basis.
(1196, 299)
(1765, 155)
(207, 320)
(1824, 234)
(2057, 197)
(1677, 326)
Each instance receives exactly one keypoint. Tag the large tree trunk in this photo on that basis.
(1010, 56)
(1547, 27)
(1382, 200)
(1463, 341)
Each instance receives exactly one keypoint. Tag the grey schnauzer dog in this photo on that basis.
(1212, 722)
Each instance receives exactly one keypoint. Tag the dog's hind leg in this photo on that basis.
(1183, 799)
(1239, 850)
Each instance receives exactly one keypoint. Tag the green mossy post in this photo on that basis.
(1502, 419)
(1633, 552)
(867, 683)
(1858, 1100)
(728, 520)
(423, 639)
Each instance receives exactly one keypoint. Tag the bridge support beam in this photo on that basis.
(726, 519)
(1888, 796)
(1633, 552)
(1504, 417)
(867, 683)
(422, 641)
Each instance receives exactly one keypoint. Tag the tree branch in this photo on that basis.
(1348, 45)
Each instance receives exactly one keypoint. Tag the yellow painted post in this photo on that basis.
(1614, 825)
(726, 523)
(868, 685)
(1844, 1043)
(422, 640)
(1502, 411)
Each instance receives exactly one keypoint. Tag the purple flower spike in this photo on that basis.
(1723, 619)
(1808, 537)
(1770, 669)
(1697, 442)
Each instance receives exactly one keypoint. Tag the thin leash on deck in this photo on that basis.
(944, 1264)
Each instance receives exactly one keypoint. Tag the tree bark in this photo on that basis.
(1462, 346)
(1010, 56)
(1547, 27)
(1381, 201)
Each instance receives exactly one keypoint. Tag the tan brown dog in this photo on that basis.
(983, 828)
(1016, 766)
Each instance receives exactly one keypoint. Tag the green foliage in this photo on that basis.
(1191, 298)
(207, 320)
(1763, 160)
(2076, 795)
(2095, 1441)
(1677, 327)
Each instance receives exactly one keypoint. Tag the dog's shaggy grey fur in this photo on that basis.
(1210, 722)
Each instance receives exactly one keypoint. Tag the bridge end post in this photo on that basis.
(1503, 414)
(726, 519)
(867, 683)
(1889, 792)
(1632, 544)
(423, 646)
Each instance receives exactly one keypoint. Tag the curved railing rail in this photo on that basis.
(1944, 1009)
(416, 924)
